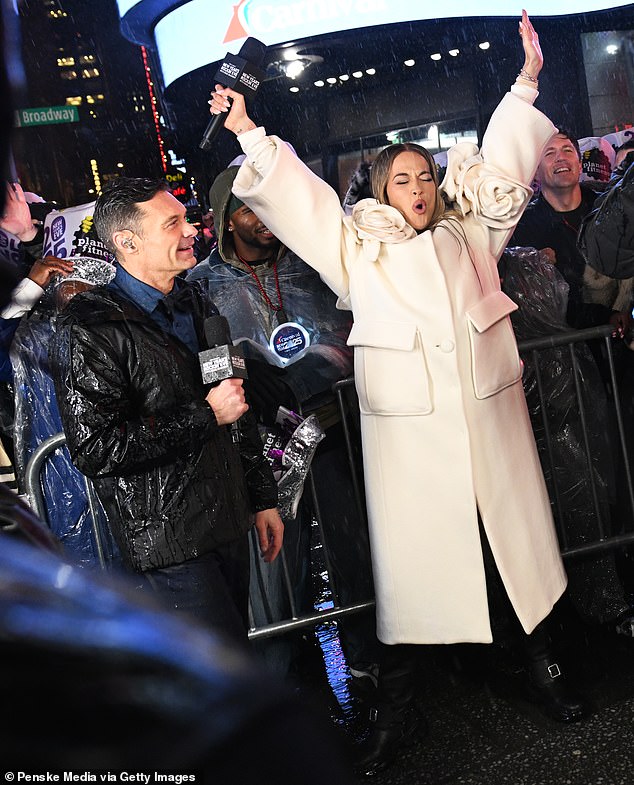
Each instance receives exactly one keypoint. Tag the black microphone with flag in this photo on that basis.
(242, 73)
(222, 360)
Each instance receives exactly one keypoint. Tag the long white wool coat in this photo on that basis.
(444, 421)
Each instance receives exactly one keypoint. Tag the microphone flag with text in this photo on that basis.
(222, 360)
(242, 73)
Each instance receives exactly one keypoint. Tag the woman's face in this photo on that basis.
(411, 189)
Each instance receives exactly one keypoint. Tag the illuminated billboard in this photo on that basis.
(125, 6)
(202, 31)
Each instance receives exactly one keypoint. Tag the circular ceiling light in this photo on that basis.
(294, 68)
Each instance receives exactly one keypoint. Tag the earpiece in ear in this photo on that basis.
(128, 244)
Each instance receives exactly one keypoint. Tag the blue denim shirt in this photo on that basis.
(159, 307)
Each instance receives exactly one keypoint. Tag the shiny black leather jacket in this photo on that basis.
(133, 407)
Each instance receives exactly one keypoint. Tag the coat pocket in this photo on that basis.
(495, 361)
(389, 368)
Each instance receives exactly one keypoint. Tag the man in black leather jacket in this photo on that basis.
(179, 494)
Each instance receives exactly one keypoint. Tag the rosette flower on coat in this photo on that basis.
(379, 223)
(474, 186)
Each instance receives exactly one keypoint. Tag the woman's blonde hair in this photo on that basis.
(380, 174)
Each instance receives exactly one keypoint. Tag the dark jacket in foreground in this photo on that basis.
(607, 233)
(134, 412)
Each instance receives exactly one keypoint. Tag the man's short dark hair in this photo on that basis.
(565, 132)
(117, 207)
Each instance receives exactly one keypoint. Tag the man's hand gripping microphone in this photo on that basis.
(222, 360)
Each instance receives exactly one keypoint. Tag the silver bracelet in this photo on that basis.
(525, 75)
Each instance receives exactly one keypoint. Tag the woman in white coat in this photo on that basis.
(451, 468)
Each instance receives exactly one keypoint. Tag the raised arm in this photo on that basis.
(517, 133)
(297, 206)
(533, 57)
(492, 186)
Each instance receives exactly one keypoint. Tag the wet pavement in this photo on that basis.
(484, 731)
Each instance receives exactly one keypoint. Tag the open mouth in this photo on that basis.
(562, 169)
(419, 207)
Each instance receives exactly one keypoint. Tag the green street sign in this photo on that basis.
(46, 115)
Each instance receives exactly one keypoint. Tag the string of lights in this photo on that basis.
(153, 105)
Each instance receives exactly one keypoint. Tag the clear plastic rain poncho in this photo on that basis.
(69, 234)
(306, 300)
(36, 419)
(542, 295)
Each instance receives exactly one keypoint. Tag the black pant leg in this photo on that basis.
(213, 589)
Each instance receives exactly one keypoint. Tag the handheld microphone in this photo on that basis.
(242, 73)
(222, 360)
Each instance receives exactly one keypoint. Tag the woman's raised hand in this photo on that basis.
(533, 58)
(237, 119)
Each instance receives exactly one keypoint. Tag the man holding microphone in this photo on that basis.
(180, 494)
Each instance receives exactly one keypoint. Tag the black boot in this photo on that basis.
(546, 682)
(394, 722)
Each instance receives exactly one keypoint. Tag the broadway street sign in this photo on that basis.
(46, 115)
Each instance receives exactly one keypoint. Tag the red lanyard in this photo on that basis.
(280, 305)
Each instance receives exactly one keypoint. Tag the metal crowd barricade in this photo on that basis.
(336, 610)
(33, 488)
(603, 541)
